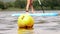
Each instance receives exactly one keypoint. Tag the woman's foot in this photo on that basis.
(33, 12)
(27, 12)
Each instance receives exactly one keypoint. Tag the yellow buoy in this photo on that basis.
(25, 20)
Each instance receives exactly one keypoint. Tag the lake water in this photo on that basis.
(43, 25)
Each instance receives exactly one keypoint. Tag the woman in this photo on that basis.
(29, 5)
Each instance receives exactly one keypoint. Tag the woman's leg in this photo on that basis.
(27, 7)
(32, 9)
(31, 6)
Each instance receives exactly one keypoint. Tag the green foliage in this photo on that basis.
(36, 4)
(20, 4)
(10, 4)
(47, 4)
(50, 3)
(3, 5)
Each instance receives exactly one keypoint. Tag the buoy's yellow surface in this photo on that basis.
(25, 20)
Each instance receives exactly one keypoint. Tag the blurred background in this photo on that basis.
(21, 4)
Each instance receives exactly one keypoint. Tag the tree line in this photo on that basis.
(46, 4)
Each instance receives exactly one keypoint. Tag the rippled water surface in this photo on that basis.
(43, 25)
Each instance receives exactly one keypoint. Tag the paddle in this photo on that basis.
(41, 5)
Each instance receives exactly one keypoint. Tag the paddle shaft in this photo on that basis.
(42, 9)
(41, 5)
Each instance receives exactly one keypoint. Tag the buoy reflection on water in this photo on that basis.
(25, 31)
